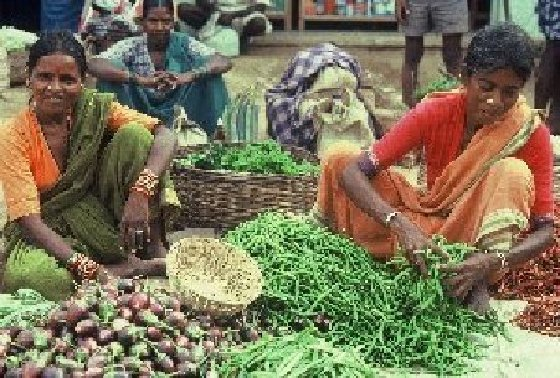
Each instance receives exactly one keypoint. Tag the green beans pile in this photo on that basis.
(296, 355)
(265, 158)
(386, 310)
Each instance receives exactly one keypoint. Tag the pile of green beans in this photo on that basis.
(25, 308)
(264, 157)
(296, 355)
(386, 310)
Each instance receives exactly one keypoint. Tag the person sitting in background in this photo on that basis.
(489, 173)
(104, 24)
(161, 68)
(246, 17)
(319, 97)
(81, 177)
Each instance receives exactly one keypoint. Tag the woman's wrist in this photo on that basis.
(82, 267)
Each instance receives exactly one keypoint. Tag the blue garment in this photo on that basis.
(204, 100)
(61, 15)
(549, 18)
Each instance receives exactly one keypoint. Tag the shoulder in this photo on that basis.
(16, 131)
(124, 46)
(540, 139)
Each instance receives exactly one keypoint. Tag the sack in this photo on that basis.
(187, 131)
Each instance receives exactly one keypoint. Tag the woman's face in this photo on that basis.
(158, 23)
(491, 94)
(55, 83)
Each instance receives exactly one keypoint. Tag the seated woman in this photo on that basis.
(320, 89)
(159, 69)
(489, 173)
(80, 175)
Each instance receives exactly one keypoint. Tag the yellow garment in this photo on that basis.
(346, 127)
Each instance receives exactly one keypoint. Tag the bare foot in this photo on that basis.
(478, 300)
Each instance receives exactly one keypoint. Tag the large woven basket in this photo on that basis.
(212, 276)
(18, 66)
(224, 199)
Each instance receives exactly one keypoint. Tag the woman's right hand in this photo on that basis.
(414, 242)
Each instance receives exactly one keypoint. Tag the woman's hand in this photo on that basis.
(185, 78)
(134, 227)
(474, 269)
(166, 81)
(414, 241)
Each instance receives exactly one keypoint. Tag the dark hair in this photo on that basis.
(504, 45)
(149, 4)
(53, 42)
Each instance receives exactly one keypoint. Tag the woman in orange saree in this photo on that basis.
(489, 167)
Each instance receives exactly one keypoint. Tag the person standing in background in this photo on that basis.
(547, 82)
(61, 15)
(449, 17)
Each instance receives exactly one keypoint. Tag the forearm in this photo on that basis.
(162, 151)
(534, 244)
(218, 64)
(44, 237)
(103, 69)
(365, 197)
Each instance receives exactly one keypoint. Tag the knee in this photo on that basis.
(134, 134)
(256, 27)
(513, 171)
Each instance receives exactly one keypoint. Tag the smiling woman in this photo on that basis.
(80, 174)
(489, 172)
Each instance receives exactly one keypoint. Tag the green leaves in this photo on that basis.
(264, 158)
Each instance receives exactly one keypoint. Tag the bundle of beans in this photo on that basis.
(542, 315)
(121, 331)
(25, 308)
(538, 277)
(394, 318)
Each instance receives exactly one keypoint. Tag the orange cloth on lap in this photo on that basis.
(27, 166)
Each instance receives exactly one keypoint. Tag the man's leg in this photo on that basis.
(548, 84)
(451, 52)
(414, 49)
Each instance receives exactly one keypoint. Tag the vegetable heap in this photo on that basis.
(395, 318)
(122, 330)
(265, 157)
(25, 308)
(444, 83)
(296, 355)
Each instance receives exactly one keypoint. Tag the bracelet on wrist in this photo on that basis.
(390, 217)
(82, 267)
(146, 183)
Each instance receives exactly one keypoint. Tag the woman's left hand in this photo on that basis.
(134, 227)
(466, 274)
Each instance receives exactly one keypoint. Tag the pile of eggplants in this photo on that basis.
(122, 331)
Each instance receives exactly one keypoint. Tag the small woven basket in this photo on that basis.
(222, 199)
(18, 66)
(209, 275)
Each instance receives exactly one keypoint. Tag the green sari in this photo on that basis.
(86, 204)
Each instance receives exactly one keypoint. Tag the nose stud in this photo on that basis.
(490, 101)
(49, 87)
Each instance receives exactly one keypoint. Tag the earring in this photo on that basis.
(27, 83)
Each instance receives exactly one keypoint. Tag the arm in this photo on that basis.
(104, 69)
(162, 151)
(44, 237)
(217, 64)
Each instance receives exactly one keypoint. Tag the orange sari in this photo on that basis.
(480, 195)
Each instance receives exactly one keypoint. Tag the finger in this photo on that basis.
(438, 250)
(147, 236)
(122, 236)
(463, 289)
(422, 266)
(452, 268)
(131, 239)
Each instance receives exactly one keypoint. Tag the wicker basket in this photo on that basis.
(224, 199)
(212, 276)
(18, 66)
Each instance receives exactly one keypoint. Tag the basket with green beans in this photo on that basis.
(393, 316)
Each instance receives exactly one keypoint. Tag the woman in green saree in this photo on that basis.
(80, 175)
(161, 68)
